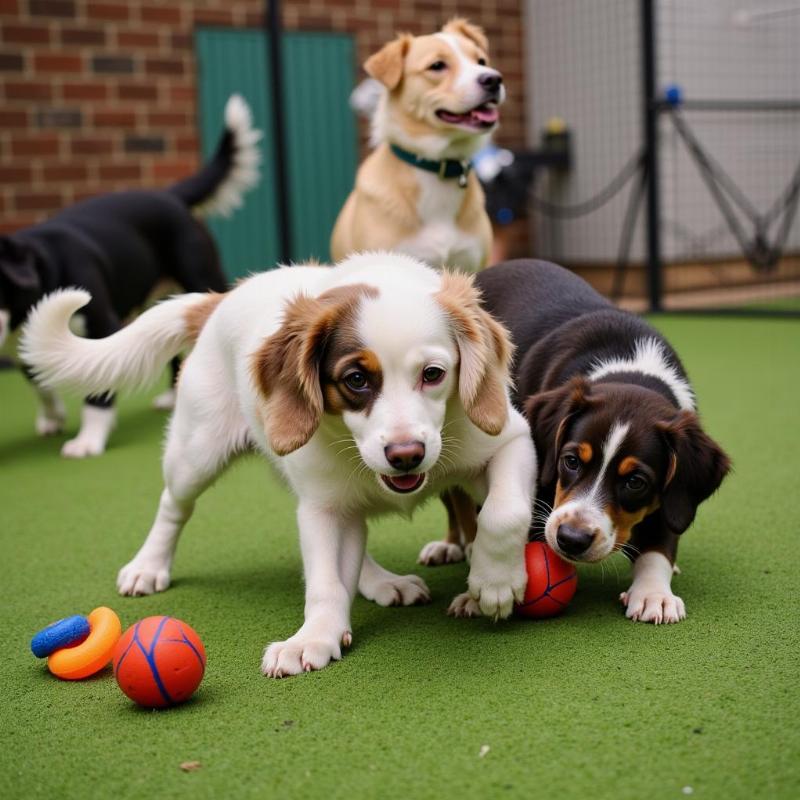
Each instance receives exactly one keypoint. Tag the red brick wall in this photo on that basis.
(96, 96)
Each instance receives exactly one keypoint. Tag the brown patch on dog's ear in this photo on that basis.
(465, 28)
(697, 467)
(484, 351)
(286, 368)
(386, 65)
(196, 316)
(548, 414)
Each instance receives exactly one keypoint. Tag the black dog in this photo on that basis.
(623, 460)
(119, 247)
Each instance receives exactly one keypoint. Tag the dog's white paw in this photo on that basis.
(440, 552)
(143, 576)
(96, 427)
(464, 606)
(49, 425)
(84, 446)
(655, 607)
(164, 401)
(495, 586)
(304, 652)
(397, 590)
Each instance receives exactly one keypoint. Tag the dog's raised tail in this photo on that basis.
(132, 357)
(221, 183)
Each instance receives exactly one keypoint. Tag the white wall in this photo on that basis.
(584, 64)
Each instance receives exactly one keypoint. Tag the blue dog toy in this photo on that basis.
(64, 633)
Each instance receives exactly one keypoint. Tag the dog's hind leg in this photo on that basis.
(387, 589)
(461, 529)
(51, 415)
(196, 453)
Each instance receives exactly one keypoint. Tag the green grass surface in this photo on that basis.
(585, 706)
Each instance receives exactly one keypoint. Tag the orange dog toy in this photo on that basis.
(91, 655)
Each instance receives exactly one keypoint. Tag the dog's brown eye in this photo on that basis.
(437, 66)
(571, 462)
(482, 62)
(635, 483)
(356, 380)
(432, 375)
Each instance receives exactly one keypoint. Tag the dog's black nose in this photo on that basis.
(573, 541)
(491, 81)
(405, 455)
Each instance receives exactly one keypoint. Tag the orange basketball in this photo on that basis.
(159, 662)
(551, 582)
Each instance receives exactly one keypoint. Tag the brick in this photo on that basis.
(114, 119)
(25, 34)
(51, 8)
(181, 93)
(59, 118)
(164, 66)
(16, 174)
(137, 91)
(13, 119)
(65, 172)
(11, 224)
(169, 119)
(113, 65)
(165, 171)
(82, 36)
(12, 62)
(162, 14)
(91, 146)
(33, 144)
(120, 172)
(84, 91)
(57, 62)
(108, 11)
(144, 144)
(187, 144)
(28, 90)
(36, 201)
(9, 7)
(181, 41)
(136, 39)
(213, 16)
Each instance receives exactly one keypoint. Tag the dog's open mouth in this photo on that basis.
(479, 118)
(404, 484)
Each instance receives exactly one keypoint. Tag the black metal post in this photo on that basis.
(651, 115)
(272, 21)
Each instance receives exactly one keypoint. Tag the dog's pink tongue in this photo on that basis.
(485, 115)
(404, 482)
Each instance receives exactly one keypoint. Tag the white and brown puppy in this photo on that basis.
(416, 193)
(371, 386)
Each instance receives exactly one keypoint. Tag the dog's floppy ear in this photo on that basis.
(286, 368)
(465, 28)
(484, 351)
(548, 414)
(18, 267)
(696, 469)
(386, 65)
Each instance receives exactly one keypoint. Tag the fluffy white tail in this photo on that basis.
(132, 357)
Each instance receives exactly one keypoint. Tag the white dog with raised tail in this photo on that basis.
(380, 353)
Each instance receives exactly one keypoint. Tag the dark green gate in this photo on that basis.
(320, 133)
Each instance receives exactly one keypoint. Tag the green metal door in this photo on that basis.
(320, 133)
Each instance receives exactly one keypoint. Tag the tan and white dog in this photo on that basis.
(415, 193)
(370, 386)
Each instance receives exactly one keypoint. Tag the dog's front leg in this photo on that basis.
(650, 597)
(333, 548)
(497, 575)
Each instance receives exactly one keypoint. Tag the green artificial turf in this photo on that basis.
(588, 705)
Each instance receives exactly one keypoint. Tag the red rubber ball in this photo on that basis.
(551, 582)
(159, 662)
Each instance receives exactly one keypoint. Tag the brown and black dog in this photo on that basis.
(623, 459)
